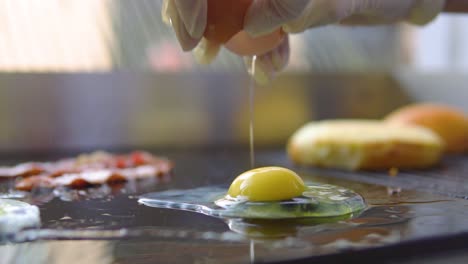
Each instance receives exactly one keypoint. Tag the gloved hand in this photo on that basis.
(265, 16)
(188, 19)
(264, 67)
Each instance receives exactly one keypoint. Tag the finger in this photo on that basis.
(265, 16)
(193, 14)
(206, 51)
(319, 13)
(280, 55)
(417, 12)
(264, 68)
(261, 70)
(382, 12)
(187, 42)
(356, 20)
(165, 12)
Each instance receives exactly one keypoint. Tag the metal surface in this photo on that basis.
(112, 228)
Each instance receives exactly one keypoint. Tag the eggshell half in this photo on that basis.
(245, 45)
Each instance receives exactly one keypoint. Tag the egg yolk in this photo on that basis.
(267, 184)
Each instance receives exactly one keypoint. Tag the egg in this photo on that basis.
(225, 22)
(225, 19)
(245, 45)
(267, 184)
(16, 215)
(263, 193)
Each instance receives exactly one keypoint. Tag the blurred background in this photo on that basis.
(82, 75)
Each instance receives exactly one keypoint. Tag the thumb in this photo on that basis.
(171, 16)
(206, 51)
(264, 67)
(265, 16)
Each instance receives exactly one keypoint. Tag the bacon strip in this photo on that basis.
(22, 170)
(87, 170)
(89, 178)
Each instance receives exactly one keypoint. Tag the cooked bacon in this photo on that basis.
(89, 178)
(93, 161)
(61, 172)
(87, 170)
(28, 184)
(22, 170)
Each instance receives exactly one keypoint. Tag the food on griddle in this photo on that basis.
(256, 185)
(364, 144)
(263, 193)
(225, 21)
(449, 123)
(87, 170)
(16, 215)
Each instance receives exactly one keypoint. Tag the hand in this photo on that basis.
(188, 19)
(263, 67)
(265, 16)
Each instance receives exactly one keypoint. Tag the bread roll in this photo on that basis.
(449, 123)
(364, 144)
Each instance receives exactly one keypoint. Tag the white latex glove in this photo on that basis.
(264, 67)
(265, 16)
(188, 19)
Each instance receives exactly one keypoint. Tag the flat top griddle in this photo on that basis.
(413, 214)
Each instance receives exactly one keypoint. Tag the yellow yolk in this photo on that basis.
(267, 184)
